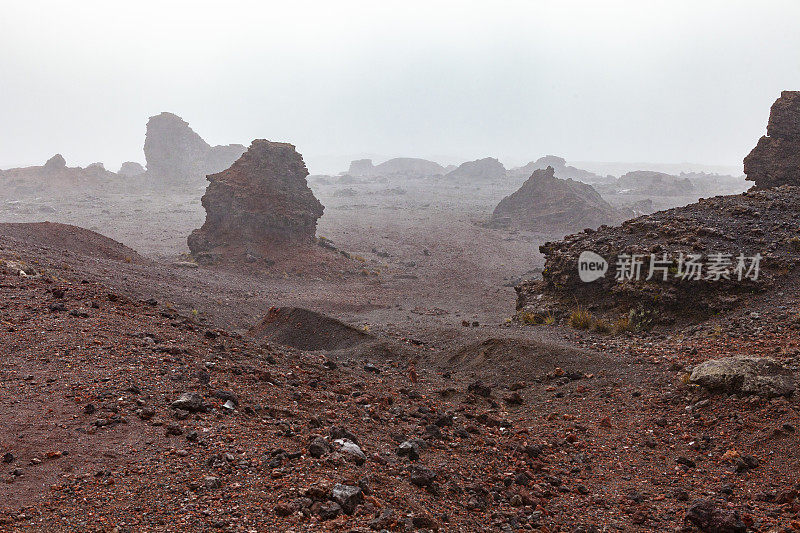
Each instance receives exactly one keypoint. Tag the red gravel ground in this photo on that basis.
(610, 438)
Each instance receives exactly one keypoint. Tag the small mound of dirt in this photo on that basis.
(66, 237)
(517, 359)
(308, 330)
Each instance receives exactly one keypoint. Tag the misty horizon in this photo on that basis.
(669, 83)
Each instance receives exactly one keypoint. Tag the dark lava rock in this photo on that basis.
(422, 476)
(410, 449)
(707, 516)
(347, 496)
(327, 510)
(226, 396)
(318, 447)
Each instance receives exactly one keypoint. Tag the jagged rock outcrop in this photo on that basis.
(755, 223)
(485, 169)
(548, 204)
(130, 169)
(653, 183)
(776, 158)
(261, 201)
(177, 156)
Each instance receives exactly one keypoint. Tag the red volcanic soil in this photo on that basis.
(77, 240)
(505, 428)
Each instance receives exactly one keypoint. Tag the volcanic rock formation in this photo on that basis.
(548, 204)
(260, 201)
(726, 231)
(177, 156)
(776, 158)
(484, 169)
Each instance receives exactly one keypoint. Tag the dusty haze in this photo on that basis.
(669, 82)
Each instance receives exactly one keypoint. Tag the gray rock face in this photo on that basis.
(745, 375)
(177, 156)
(776, 158)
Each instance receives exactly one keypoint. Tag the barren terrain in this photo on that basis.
(517, 427)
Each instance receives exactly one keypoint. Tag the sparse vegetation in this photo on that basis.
(580, 318)
(641, 319)
(602, 326)
(621, 325)
(530, 318)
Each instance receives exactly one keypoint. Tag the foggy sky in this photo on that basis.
(665, 81)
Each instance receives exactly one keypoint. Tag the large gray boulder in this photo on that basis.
(761, 376)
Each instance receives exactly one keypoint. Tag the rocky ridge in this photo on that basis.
(756, 222)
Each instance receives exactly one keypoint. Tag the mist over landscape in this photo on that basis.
(666, 82)
(358, 266)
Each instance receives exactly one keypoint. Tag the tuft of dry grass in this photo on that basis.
(621, 325)
(580, 318)
(530, 318)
